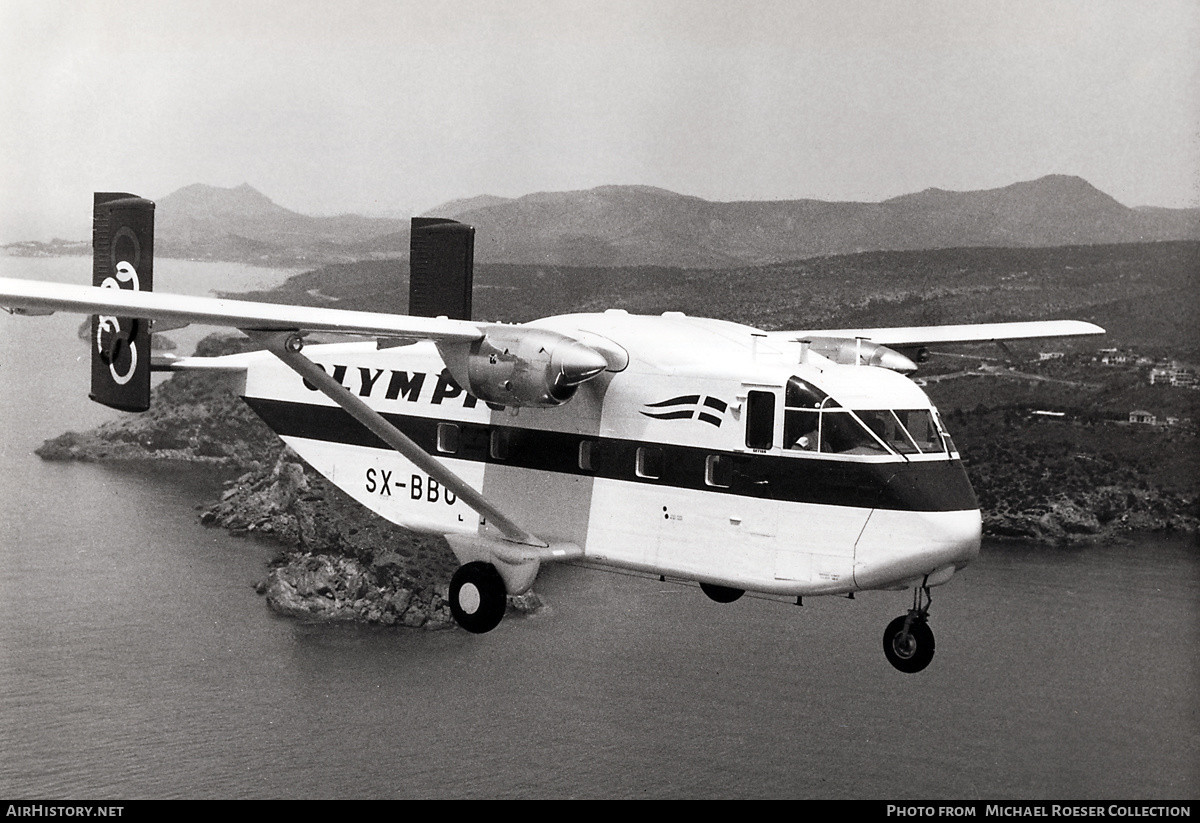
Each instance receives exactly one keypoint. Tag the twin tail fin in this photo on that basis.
(122, 258)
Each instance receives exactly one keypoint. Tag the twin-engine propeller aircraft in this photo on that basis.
(783, 463)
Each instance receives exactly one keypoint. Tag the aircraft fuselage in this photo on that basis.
(685, 458)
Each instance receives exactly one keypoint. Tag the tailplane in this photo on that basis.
(122, 258)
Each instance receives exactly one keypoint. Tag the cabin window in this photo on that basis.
(718, 470)
(588, 455)
(760, 420)
(500, 445)
(649, 463)
(447, 438)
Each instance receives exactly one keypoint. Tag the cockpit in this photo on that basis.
(816, 422)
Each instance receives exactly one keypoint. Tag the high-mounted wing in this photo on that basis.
(901, 348)
(908, 336)
(37, 296)
(33, 296)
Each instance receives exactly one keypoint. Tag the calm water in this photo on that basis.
(137, 661)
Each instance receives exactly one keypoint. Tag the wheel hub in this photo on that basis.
(469, 598)
(904, 645)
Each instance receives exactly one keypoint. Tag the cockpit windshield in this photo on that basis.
(814, 421)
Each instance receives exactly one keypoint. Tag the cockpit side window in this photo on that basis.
(887, 428)
(801, 394)
(947, 440)
(801, 416)
(923, 430)
(801, 429)
(814, 421)
(841, 433)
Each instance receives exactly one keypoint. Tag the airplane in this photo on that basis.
(782, 463)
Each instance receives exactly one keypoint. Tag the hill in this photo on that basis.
(242, 224)
(1145, 294)
(640, 225)
(624, 226)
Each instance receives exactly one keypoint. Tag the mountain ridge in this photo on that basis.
(637, 225)
(641, 225)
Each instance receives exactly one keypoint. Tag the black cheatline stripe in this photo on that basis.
(911, 486)
(674, 401)
(716, 403)
(708, 418)
(675, 415)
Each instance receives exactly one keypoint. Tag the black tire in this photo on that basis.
(721, 594)
(909, 654)
(478, 597)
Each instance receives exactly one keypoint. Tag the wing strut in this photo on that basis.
(286, 346)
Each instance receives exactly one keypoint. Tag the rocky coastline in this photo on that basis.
(1105, 513)
(338, 561)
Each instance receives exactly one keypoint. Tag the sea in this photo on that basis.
(137, 660)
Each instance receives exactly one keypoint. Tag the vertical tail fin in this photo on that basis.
(122, 258)
(441, 268)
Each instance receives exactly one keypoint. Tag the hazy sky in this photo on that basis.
(386, 106)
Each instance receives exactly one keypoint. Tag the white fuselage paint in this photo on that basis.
(673, 365)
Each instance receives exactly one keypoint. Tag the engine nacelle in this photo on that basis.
(851, 351)
(522, 366)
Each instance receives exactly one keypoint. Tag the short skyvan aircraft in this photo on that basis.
(792, 463)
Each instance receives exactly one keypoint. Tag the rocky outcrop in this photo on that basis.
(194, 417)
(1100, 514)
(340, 561)
(334, 587)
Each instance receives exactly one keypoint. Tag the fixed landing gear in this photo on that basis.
(721, 594)
(478, 597)
(908, 640)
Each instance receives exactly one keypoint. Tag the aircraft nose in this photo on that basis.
(898, 548)
(576, 363)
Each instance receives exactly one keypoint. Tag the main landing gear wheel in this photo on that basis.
(721, 594)
(478, 597)
(908, 640)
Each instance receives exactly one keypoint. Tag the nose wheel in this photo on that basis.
(908, 640)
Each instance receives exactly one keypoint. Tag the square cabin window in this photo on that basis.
(718, 471)
(447, 438)
(588, 453)
(649, 462)
(501, 442)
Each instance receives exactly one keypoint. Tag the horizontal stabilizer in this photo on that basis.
(165, 361)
